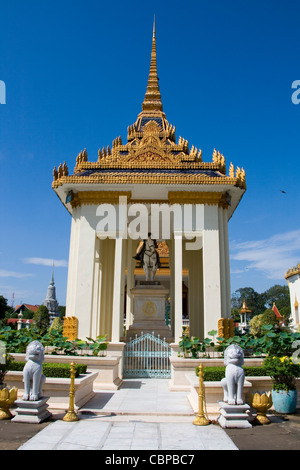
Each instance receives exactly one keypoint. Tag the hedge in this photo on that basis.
(218, 373)
(52, 369)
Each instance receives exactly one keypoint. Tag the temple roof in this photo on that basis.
(295, 270)
(151, 155)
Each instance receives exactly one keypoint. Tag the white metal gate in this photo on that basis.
(147, 356)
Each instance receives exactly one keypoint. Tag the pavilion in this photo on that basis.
(156, 176)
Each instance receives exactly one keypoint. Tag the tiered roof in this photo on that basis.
(151, 154)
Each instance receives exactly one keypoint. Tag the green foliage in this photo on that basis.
(258, 303)
(98, 345)
(191, 347)
(273, 340)
(28, 314)
(41, 319)
(254, 300)
(52, 369)
(62, 311)
(266, 318)
(59, 343)
(278, 294)
(4, 308)
(57, 324)
(17, 340)
(217, 373)
(283, 372)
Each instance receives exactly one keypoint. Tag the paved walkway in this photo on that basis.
(142, 415)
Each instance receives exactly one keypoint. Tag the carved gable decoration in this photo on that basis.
(151, 129)
(151, 148)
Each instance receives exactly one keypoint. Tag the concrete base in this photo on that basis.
(149, 309)
(31, 411)
(234, 416)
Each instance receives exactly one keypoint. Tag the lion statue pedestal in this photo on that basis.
(234, 413)
(32, 408)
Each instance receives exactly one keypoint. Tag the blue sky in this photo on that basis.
(76, 74)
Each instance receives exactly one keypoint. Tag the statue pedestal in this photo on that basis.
(31, 411)
(234, 416)
(149, 309)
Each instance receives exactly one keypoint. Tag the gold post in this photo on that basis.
(71, 415)
(201, 420)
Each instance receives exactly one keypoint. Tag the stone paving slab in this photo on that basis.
(96, 434)
(140, 396)
(142, 415)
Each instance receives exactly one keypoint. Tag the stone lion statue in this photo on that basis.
(233, 382)
(33, 371)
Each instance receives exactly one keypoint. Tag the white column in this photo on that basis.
(227, 262)
(73, 261)
(107, 268)
(178, 287)
(170, 243)
(82, 291)
(95, 314)
(211, 269)
(224, 313)
(130, 282)
(117, 293)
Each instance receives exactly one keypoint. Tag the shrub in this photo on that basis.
(41, 319)
(57, 325)
(258, 321)
(16, 341)
(52, 369)
(283, 372)
(217, 373)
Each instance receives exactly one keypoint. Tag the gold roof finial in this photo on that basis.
(152, 99)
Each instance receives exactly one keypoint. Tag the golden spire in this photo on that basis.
(152, 99)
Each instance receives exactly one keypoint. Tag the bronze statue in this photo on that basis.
(148, 257)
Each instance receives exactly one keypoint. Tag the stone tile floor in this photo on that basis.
(145, 415)
(95, 434)
(142, 415)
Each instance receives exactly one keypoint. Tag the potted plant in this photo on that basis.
(283, 372)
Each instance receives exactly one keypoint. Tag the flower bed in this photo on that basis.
(59, 370)
(180, 366)
(58, 389)
(214, 391)
(107, 368)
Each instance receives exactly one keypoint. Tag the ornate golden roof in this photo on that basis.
(293, 271)
(244, 308)
(151, 153)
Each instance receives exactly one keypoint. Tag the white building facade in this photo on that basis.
(293, 279)
(135, 188)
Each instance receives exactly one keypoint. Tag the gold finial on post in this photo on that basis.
(71, 415)
(201, 419)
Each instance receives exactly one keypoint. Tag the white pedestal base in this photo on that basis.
(149, 308)
(234, 416)
(31, 411)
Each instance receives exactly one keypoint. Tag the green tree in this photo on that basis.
(280, 295)
(254, 300)
(41, 320)
(258, 321)
(4, 307)
(57, 324)
(62, 311)
(28, 314)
